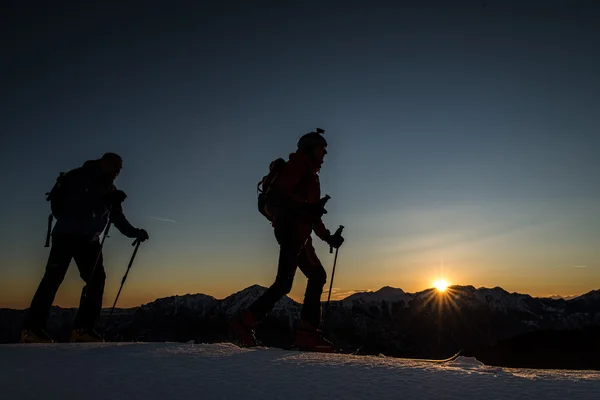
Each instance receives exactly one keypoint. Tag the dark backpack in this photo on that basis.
(56, 196)
(266, 183)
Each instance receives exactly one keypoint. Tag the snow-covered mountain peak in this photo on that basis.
(593, 295)
(386, 293)
(197, 301)
(242, 299)
(496, 298)
(250, 291)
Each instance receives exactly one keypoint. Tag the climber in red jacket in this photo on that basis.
(295, 209)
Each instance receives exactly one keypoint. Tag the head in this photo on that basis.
(314, 144)
(111, 165)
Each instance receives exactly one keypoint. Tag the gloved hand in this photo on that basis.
(141, 235)
(335, 241)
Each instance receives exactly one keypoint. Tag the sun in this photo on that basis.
(441, 285)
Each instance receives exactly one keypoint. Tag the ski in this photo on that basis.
(354, 352)
(349, 352)
(430, 360)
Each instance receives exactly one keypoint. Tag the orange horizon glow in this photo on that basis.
(151, 283)
(68, 297)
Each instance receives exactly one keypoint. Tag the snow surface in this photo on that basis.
(223, 371)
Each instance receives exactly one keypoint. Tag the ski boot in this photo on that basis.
(86, 335)
(309, 338)
(35, 336)
(243, 326)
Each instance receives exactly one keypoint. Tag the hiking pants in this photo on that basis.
(296, 250)
(64, 248)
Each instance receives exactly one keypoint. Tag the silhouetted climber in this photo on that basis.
(291, 201)
(84, 201)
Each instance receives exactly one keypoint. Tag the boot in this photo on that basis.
(243, 326)
(309, 338)
(35, 336)
(86, 335)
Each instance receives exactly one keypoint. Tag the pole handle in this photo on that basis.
(337, 233)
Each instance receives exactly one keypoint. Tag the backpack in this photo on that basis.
(265, 184)
(55, 196)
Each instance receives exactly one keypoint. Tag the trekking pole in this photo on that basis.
(49, 232)
(99, 252)
(337, 233)
(51, 216)
(136, 243)
(121, 198)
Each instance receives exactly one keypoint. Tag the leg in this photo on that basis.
(291, 242)
(290, 246)
(308, 336)
(91, 295)
(311, 267)
(56, 268)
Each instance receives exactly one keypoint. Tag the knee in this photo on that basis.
(283, 286)
(52, 279)
(101, 277)
(97, 279)
(318, 277)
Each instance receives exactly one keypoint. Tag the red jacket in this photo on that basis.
(299, 182)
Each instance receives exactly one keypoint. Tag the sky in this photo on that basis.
(463, 139)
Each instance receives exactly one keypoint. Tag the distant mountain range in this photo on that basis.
(558, 297)
(496, 326)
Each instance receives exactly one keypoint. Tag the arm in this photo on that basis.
(318, 226)
(321, 231)
(115, 201)
(121, 223)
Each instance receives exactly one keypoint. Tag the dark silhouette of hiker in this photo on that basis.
(84, 202)
(295, 210)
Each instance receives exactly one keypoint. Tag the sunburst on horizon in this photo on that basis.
(441, 285)
(440, 300)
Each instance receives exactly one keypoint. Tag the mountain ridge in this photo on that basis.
(375, 294)
(484, 322)
(386, 290)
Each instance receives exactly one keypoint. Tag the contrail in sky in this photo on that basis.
(162, 219)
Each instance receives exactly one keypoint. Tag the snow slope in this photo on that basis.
(223, 371)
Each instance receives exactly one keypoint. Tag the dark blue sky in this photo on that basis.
(463, 138)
